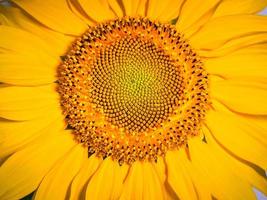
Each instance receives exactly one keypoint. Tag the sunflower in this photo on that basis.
(133, 99)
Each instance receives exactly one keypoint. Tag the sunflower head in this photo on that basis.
(133, 88)
(132, 99)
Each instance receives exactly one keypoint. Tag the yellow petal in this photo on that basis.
(168, 192)
(76, 8)
(164, 10)
(55, 184)
(193, 10)
(228, 7)
(134, 183)
(142, 8)
(116, 8)
(245, 97)
(237, 137)
(234, 45)
(222, 29)
(152, 185)
(223, 183)
(236, 166)
(259, 121)
(24, 103)
(247, 62)
(109, 178)
(142, 182)
(58, 42)
(97, 10)
(19, 69)
(78, 186)
(54, 14)
(15, 135)
(201, 186)
(178, 177)
(131, 6)
(253, 125)
(29, 44)
(24, 170)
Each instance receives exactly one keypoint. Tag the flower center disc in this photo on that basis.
(132, 89)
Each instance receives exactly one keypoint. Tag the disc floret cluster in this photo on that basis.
(133, 88)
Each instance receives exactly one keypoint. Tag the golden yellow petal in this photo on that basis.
(24, 170)
(161, 170)
(233, 7)
(24, 103)
(76, 8)
(26, 70)
(142, 182)
(55, 184)
(249, 62)
(29, 44)
(116, 8)
(223, 29)
(254, 176)
(54, 14)
(97, 10)
(16, 135)
(59, 43)
(253, 125)
(79, 183)
(109, 178)
(222, 183)
(193, 11)
(164, 10)
(241, 96)
(131, 7)
(178, 176)
(237, 137)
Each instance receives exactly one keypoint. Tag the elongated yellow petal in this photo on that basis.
(152, 186)
(15, 17)
(259, 121)
(241, 96)
(247, 62)
(131, 7)
(29, 44)
(24, 170)
(15, 135)
(142, 7)
(238, 166)
(116, 8)
(217, 174)
(24, 103)
(97, 10)
(19, 69)
(142, 182)
(222, 29)
(236, 137)
(161, 170)
(229, 7)
(53, 14)
(76, 8)
(164, 10)
(178, 176)
(78, 186)
(253, 125)
(134, 183)
(233, 45)
(109, 178)
(55, 184)
(193, 10)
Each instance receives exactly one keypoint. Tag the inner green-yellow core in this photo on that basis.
(132, 89)
(138, 86)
